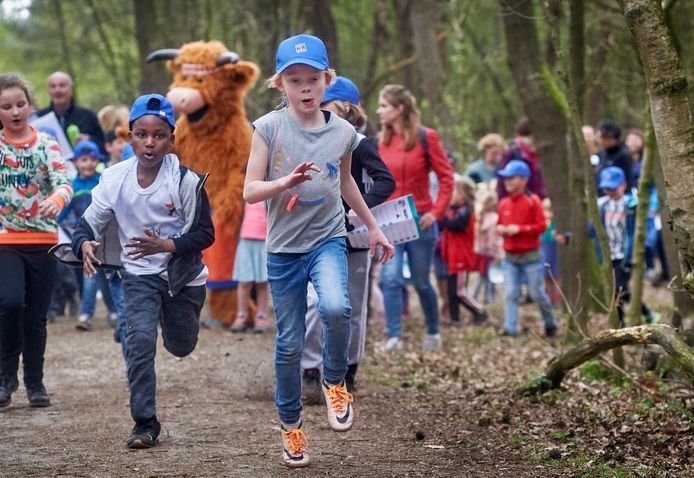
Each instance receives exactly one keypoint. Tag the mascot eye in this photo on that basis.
(185, 77)
(200, 79)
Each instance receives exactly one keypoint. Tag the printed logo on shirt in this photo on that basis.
(170, 208)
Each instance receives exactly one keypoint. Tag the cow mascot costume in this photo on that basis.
(213, 135)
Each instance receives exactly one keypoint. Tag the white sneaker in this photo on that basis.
(84, 322)
(339, 403)
(392, 344)
(295, 447)
(431, 342)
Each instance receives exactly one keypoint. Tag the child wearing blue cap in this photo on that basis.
(521, 223)
(300, 163)
(86, 158)
(160, 213)
(618, 214)
(376, 184)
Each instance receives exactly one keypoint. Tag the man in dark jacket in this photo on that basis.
(61, 89)
(614, 152)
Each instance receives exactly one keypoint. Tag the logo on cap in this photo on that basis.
(300, 48)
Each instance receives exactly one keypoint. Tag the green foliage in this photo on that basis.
(594, 370)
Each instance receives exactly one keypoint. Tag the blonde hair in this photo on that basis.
(466, 187)
(350, 112)
(112, 116)
(490, 141)
(547, 204)
(410, 119)
(274, 79)
(489, 201)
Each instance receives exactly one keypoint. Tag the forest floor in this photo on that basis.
(453, 413)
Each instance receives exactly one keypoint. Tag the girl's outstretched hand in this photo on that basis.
(377, 238)
(299, 175)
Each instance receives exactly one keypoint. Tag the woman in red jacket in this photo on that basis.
(402, 150)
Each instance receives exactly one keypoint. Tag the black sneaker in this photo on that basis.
(550, 331)
(7, 387)
(480, 318)
(506, 333)
(311, 389)
(145, 434)
(37, 396)
(351, 377)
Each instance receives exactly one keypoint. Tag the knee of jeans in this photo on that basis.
(287, 354)
(391, 280)
(511, 292)
(141, 343)
(337, 311)
(181, 347)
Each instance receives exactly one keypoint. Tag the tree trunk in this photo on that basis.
(638, 254)
(425, 23)
(320, 19)
(547, 121)
(672, 119)
(405, 36)
(60, 19)
(662, 335)
(153, 76)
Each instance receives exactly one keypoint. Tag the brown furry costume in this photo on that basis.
(213, 135)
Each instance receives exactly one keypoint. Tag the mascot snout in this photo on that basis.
(185, 100)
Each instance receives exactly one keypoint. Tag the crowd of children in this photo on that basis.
(138, 220)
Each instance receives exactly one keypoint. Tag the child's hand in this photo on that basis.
(49, 208)
(377, 238)
(512, 229)
(299, 175)
(501, 229)
(89, 257)
(151, 244)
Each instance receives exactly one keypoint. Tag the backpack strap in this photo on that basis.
(425, 145)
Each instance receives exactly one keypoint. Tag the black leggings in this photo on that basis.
(26, 283)
(622, 275)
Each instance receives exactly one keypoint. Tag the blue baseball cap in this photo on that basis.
(153, 104)
(87, 148)
(302, 49)
(344, 90)
(515, 167)
(611, 177)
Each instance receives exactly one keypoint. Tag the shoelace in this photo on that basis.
(338, 395)
(297, 439)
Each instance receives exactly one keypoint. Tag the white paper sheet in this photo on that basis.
(397, 219)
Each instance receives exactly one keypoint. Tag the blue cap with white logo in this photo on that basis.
(153, 104)
(344, 90)
(515, 167)
(302, 49)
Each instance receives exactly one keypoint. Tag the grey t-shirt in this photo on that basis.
(317, 214)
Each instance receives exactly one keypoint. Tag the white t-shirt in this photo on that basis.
(156, 207)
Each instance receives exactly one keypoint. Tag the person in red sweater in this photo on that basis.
(521, 223)
(400, 148)
(458, 249)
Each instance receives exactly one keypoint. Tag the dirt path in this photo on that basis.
(219, 419)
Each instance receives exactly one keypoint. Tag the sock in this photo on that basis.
(288, 425)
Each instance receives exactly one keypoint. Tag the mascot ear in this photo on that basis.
(243, 74)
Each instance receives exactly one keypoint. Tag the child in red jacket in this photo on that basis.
(521, 223)
(457, 249)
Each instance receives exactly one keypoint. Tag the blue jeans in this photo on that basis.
(420, 254)
(147, 305)
(89, 287)
(116, 285)
(532, 274)
(289, 274)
